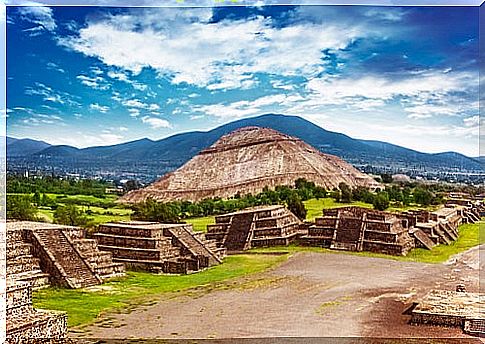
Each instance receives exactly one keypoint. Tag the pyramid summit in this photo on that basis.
(246, 161)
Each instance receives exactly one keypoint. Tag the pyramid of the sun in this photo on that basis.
(246, 161)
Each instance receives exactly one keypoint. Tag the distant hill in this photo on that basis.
(24, 147)
(177, 149)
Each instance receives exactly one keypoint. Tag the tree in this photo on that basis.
(151, 210)
(345, 193)
(70, 215)
(296, 206)
(381, 201)
(132, 185)
(422, 196)
(386, 178)
(19, 207)
(36, 199)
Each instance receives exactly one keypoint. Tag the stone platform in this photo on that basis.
(41, 252)
(158, 247)
(452, 309)
(255, 227)
(360, 229)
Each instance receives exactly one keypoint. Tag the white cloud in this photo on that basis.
(471, 121)
(52, 65)
(100, 108)
(138, 104)
(156, 123)
(39, 15)
(219, 55)
(37, 119)
(49, 94)
(97, 82)
(134, 112)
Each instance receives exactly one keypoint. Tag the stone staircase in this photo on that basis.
(58, 253)
(195, 246)
(237, 238)
(101, 262)
(156, 247)
(422, 238)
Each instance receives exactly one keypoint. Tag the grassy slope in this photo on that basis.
(83, 306)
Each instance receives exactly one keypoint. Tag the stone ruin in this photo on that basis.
(255, 227)
(433, 228)
(158, 247)
(452, 309)
(26, 324)
(43, 253)
(471, 210)
(360, 229)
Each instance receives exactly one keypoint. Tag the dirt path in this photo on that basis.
(310, 295)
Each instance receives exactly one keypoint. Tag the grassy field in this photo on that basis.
(85, 305)
(314, 206)
(470, 235)
(200, 223)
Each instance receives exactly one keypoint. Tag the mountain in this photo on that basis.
(248, 160)
(24, 147)
(175, 150)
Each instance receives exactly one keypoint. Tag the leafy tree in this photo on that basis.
(70, 215)
(386, 178)
(335, 194)
(422, 196)
(151, 210)
(296, 206)
(36, 199)
(132, 185)
(19, 207)
(345, 193)
(381, 201)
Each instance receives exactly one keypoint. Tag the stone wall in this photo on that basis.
(28, 325)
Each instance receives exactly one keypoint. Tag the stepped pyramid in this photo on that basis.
(246, 161)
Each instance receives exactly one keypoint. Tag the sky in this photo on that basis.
(87, 76)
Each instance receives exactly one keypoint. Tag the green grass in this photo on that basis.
(470, 235)
(314, 206)
(200, 223)
(84, 306)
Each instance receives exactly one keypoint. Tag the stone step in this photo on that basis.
(19, 249)
(36, 278)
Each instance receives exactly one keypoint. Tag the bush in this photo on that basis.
(296, 206)
(20, 207)
(70, 215)
(381, 201)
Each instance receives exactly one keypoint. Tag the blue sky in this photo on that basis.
(88, 76)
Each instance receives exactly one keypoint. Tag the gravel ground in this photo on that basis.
(310, 295)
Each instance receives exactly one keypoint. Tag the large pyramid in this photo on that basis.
(246, 161)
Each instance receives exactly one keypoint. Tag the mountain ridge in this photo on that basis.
(179, 148)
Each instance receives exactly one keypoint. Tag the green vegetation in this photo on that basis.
(200, 223)
(314, 206)
(56, 185)
(470, 235)
(20, 207)
(84, 306)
